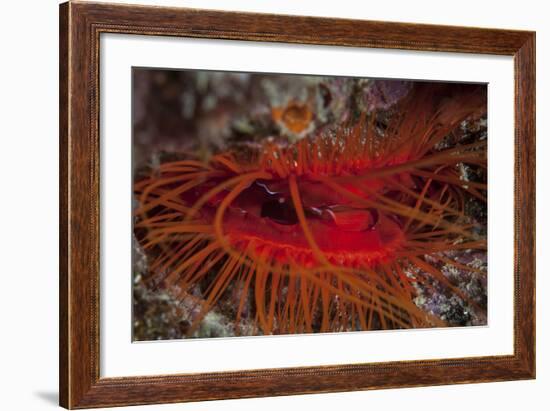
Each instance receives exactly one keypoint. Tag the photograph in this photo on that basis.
(275, 205)
(270, 204)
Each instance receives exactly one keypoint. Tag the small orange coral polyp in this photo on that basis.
(295, 116)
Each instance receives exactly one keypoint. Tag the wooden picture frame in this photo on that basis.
(80, 27)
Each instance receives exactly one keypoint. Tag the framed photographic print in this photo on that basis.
(257, 205)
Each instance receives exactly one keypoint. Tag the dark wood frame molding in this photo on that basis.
(81, 24)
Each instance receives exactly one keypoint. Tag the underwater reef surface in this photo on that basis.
(181, 113)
